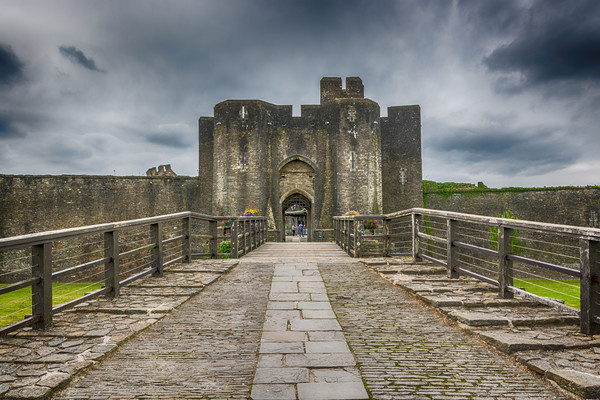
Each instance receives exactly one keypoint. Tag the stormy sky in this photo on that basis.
(509, 90)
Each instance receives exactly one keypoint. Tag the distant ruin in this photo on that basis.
(161, 170)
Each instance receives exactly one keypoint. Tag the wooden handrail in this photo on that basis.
(253, 231)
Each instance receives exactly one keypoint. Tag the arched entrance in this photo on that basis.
(296, 208)
(296, 194)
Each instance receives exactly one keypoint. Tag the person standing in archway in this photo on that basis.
(301, 229)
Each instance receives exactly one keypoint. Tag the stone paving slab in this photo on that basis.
(556, 339)
(544, 339)
(513, 316)
(331, 391)
(34, 364)
(133, 304)
(303, 354)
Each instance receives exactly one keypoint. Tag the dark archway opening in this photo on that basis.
(296, 209)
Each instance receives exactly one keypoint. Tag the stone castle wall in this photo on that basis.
(337, 149)
(578, 206)
(39, 203)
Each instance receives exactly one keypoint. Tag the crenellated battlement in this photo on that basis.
(331, 89)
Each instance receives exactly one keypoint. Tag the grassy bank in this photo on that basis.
(15, 305)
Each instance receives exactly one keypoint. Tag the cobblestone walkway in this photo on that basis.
(207, 349)
(407, 351)
(267, 329)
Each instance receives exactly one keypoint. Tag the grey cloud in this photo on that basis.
(7, 130)
(18, 124)
(76, 56)
(493, 17)
(510, 151)
(182, 58)
(11, 68)
(169, 139)
(558, 43)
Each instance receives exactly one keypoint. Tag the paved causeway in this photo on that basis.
(304, 321)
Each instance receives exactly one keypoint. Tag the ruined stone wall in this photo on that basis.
(578, 206)
(39, 203)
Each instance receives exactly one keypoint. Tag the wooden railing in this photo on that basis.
(498, 251)
(113, 255)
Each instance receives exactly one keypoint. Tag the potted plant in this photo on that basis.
(250, 212)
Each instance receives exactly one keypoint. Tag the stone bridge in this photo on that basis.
(303, 321)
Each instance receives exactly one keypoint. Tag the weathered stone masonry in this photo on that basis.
(578, 206)
(36, 203)
(338, 155)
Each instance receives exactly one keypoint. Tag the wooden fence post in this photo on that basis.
(41, 292)
(253, 233)
(213, 248)
(590, 286)
(157, 250)
(335, 239)
(243, 241)
(234, 239)
(415, 238)
(505, 266)
(348, 233)
(257, 232)
(111, 265)
(387, 243)
(357, 239)
(451, 249)
(186, 231)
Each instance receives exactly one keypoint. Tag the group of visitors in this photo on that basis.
(301, 230)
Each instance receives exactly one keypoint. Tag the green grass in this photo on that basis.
(15, 305)
(563, 289)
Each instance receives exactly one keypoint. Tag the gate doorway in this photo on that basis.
(296, 209)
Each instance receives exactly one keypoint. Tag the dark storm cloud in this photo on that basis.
(492, 17)
(56, 153)
(559, 42)
(18, 124)
(7, 130)
(508, 151)
(11, 68)
(176, 140)
(76, 56)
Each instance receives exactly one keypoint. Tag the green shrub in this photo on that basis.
(225, 246)
(516, 245)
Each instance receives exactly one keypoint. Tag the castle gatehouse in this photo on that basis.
(337, 156)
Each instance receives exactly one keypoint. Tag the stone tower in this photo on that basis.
(338, 155)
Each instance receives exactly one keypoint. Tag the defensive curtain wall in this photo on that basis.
(578, 206)
(337, 156)
(39, 203)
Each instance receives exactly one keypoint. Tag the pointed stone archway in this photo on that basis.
(297, 205)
